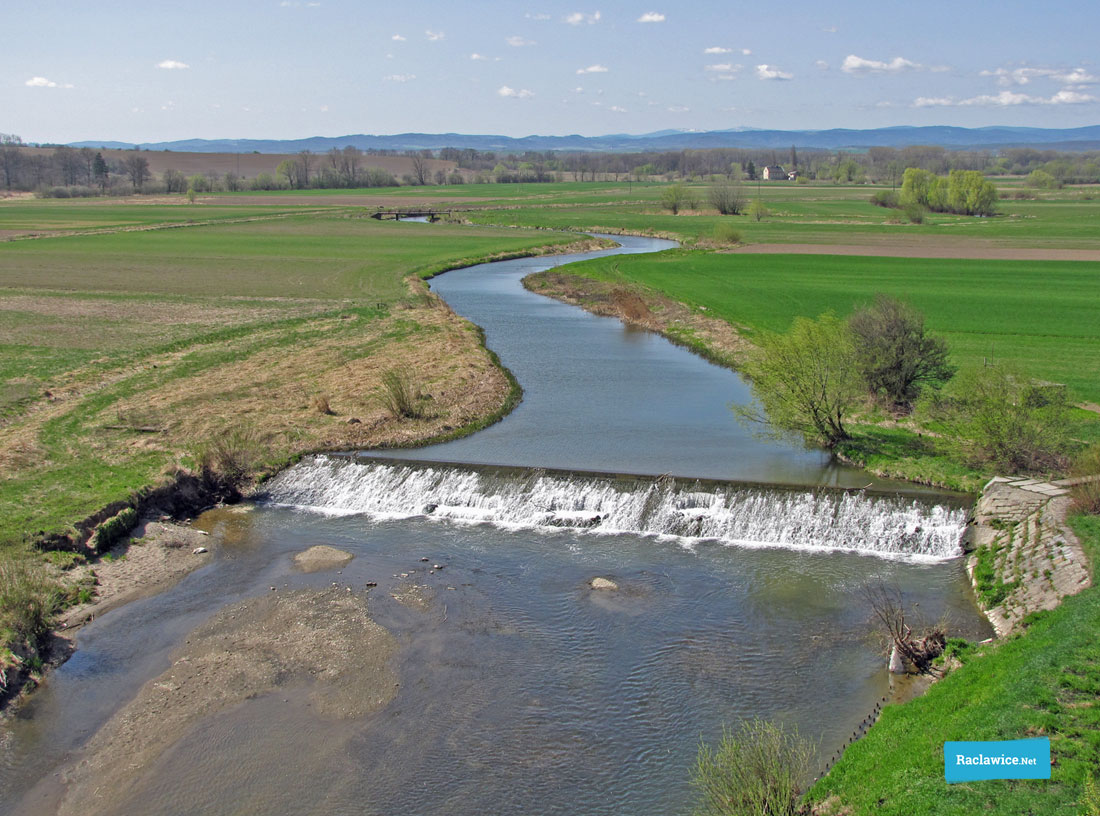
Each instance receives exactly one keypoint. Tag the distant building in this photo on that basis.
(774, 172)
(792, 175)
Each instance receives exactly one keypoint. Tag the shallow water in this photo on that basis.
(522, 690)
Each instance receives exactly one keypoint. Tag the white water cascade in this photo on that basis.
(735, 515)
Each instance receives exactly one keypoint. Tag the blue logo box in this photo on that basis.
(1006, 759)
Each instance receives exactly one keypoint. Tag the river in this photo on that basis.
(523, 690)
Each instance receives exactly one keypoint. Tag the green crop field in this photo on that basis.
(1043, 316)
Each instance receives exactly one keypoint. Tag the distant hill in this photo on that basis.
(1083, 138)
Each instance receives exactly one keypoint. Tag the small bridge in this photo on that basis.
(412, 212)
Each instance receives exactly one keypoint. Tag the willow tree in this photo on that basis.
(805, 381)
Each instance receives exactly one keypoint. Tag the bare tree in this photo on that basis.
(420, 170)
(728, 197)
(136, 167)
(888, 608)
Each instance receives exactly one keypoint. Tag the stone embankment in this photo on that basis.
(1022, 555)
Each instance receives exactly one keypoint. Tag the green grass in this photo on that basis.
(1045, 682)
(93, 214)
(1043, 316)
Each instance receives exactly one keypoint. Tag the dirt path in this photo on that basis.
(978, 250)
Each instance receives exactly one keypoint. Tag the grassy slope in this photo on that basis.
(1045, 682)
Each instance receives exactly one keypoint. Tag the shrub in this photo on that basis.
(399, 396)
(1086, 495)
(726, 234)
(915, 213)
(114, 528)
(1043, 180)
(756, 771)
(758, 210)
(232, 456)
(896, 357)
(727, 197)
(1000, 418)
(885, 198)
(28, 600)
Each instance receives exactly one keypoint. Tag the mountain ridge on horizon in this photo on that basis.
(989, 137)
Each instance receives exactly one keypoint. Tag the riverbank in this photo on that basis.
(1040, 682)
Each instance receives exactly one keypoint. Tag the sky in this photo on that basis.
(284, 69)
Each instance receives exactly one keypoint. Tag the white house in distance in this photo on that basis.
(774, 172)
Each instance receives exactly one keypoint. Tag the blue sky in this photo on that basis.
(150, 71)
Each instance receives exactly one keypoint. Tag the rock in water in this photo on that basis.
(321, 557)
(603, 583)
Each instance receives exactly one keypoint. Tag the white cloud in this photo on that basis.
(578, 89)
(172, 65)
(434, 36)
(518, 42)
(821, 65)
(324, 109)
(858, 65)
(478, 57)
(1005, 99)
(724, 67)
(579, 17)
(42, 82)
(679, 109)
(398, 38)
(717, 49)
(652, 17)
(771, 72)
(747, 52)
(1023, 76)
(830, 29)
(617, 109)
(399, 77)
(593, 69)
(512, 93)
(538, 16)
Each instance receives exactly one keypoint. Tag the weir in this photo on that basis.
(690, 511)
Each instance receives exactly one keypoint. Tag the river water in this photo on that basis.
(522, 689)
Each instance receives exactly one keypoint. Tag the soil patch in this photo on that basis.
(321, 557)
(246, 650)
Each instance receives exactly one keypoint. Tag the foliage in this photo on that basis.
(1004, 419)
(807, 380)
(965, 192)
(753, 772)
(758, 210)
(1043, 180)
(885, 198)
(896, 357)
(726, 234)
(677, 197)
(115, 528)
(400, 396)
(727, 197)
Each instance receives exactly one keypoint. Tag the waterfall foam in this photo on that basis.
(731, 514)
